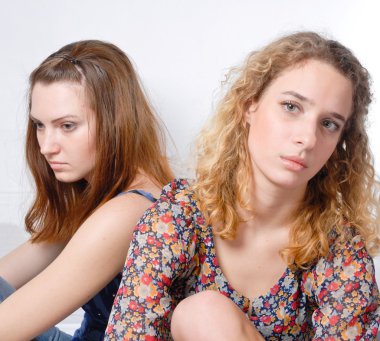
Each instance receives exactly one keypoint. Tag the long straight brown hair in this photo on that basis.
(128, 138)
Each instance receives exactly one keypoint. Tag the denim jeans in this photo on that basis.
(53, 334)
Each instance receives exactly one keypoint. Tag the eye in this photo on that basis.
(330, 125)
(68, 126)
(38, 125)
(290, 106)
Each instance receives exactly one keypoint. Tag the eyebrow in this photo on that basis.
(56, 119)
(305, 99)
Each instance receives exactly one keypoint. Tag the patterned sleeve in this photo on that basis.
(342, 287)
(159, 253)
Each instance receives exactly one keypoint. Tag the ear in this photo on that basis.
(249, 112)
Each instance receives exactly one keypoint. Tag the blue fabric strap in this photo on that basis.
(147, 195)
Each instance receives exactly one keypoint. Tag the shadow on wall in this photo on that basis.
(10, 237)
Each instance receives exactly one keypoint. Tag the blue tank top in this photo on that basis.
(98, 309)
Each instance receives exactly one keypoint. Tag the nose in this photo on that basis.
(48, 142)
(306, 135)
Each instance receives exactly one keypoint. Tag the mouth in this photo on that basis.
(294, 162)
(55, 165)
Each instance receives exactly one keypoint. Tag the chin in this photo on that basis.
(67, 179)
(289, 183)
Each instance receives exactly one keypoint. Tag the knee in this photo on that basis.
(201, 303)
(188, 318)
(203, 317)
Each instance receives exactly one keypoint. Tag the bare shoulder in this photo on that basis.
(104, 238)
(117, 217)
(128, 207)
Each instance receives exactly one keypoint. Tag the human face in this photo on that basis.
(65, 127)
(296, 124)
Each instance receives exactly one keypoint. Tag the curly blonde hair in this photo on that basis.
(343, 198)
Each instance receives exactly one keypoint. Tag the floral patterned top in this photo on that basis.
(172, 256)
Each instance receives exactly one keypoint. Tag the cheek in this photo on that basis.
(268, 133)
(39, 139)
(92, 150)
(325, 152)
(81, 147)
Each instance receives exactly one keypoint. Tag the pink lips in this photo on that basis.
(293, 163)
(56, 165)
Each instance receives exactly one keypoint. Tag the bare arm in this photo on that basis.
(94, 255)
(26, 261)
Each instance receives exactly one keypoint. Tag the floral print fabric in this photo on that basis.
(172, 256)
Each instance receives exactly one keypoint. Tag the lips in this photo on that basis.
(55, 165)
(294, 162)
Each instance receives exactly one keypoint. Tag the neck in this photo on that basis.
(273, 206)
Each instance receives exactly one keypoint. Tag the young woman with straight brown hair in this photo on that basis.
(96, 153)
(273, 240)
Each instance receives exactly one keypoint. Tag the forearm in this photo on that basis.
(53, 333)
(30, 311)
(26, 261)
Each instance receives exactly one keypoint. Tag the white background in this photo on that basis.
(181, 49)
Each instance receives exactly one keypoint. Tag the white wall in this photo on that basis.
(181, 49)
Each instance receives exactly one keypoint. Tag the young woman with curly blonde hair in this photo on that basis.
(283, 216)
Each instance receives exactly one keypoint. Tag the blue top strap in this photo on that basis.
(147, 195)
